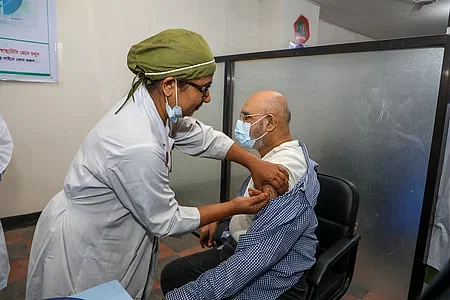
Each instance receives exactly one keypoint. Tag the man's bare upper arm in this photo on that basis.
(267, 188)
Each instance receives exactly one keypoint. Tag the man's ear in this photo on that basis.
(272, 122)
(168, 86)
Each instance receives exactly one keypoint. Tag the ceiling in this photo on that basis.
(383, 19)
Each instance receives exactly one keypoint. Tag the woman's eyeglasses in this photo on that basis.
(204, 89)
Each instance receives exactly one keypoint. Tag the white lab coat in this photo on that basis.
(116, 202)
(439, 254)
(6, 148)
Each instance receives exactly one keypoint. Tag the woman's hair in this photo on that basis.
(153, 85)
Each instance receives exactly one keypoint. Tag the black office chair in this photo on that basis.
(336, 210)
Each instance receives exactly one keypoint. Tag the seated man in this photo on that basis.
(266, 255)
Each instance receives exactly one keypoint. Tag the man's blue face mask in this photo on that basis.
(242, 132)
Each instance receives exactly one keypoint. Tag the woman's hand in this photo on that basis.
(264, 172)
(250, 205)
(270, 191)
(206, 235)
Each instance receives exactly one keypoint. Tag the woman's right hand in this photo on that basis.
(206, 235)
(239, 205)
(250, 205)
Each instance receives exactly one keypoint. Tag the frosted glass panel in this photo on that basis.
(196, 181)
(367, 117)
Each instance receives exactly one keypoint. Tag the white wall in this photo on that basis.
(333, 34)
(49, 121)
(277, 19)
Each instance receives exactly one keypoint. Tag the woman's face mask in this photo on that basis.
(174, 113)
(242, 132)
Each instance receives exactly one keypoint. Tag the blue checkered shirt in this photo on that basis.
(272, 256)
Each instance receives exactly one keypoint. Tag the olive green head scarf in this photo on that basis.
(176, 53)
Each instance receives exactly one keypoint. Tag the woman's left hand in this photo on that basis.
(264, 172)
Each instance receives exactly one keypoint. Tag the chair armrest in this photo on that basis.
(329, 257)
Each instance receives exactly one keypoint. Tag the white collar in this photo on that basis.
(147, 102)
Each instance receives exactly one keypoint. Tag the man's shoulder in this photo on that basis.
(289, 155)
(287, 151)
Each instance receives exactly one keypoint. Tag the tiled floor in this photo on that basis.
(19, 243)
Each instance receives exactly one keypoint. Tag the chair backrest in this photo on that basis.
(336, 210)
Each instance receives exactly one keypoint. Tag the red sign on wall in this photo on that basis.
(301, 28)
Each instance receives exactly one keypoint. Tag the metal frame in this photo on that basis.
(395, 44)
(439, 130)
(227, 127)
